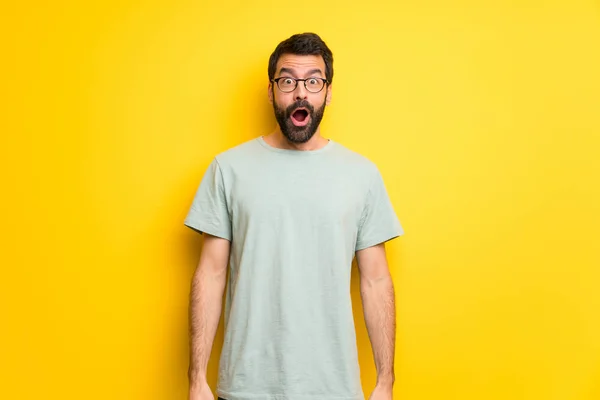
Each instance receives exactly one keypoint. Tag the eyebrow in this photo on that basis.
(291, 71)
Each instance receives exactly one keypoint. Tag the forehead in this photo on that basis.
(300, 64)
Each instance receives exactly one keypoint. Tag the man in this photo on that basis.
(288, 212)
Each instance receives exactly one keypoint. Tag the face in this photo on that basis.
(299, 112)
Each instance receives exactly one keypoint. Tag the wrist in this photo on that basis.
(197, 379)
(385, 381)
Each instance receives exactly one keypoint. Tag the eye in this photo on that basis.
(288, 81)
(313, 81)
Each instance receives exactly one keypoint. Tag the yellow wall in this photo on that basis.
(484, 120)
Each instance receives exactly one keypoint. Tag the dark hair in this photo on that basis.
(303, 44)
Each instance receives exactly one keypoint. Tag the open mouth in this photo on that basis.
(300, 117)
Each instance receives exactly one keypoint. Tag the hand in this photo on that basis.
(201, 392)
(381, 393)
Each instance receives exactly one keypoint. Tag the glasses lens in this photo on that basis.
(286, 84)
(314, 85)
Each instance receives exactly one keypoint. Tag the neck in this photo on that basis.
(277, 139)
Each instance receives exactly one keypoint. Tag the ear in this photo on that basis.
(270, 90)
(328, 96)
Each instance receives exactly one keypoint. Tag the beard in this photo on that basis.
(298, 134)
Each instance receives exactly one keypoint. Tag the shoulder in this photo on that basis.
(355, 161)
(242, 152)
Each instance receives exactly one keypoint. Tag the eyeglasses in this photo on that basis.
(287, 84)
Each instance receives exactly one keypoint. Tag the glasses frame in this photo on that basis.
(296, 80)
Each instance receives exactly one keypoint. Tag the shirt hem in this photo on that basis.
(262, 396)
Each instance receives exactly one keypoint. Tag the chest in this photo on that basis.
(300, 196)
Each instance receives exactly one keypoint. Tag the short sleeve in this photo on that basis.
(209, 212)
(378, 222)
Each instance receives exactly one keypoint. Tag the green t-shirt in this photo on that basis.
(295, 220)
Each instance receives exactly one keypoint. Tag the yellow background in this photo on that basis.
(484, 118)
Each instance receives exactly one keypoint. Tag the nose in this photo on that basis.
(300, 93)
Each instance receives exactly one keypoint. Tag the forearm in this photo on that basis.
(380, 317)
(205, 311)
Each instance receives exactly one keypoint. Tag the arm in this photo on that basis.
(206, 297)
(377, 292)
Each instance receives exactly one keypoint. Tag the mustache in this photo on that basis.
(299, 104)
